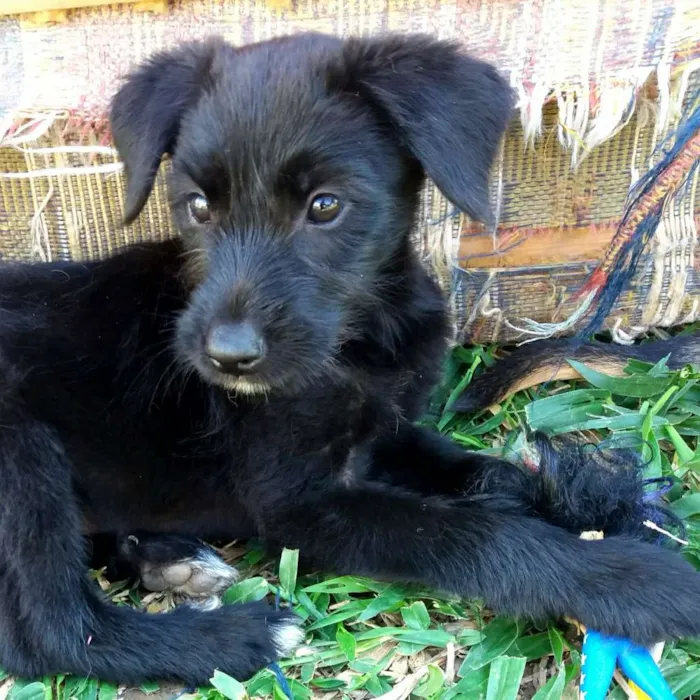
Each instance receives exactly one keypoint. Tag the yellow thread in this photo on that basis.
(637, 691)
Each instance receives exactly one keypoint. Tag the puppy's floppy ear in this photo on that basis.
(449, 109)
(145, 114)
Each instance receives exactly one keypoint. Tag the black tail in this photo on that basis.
(546, 361)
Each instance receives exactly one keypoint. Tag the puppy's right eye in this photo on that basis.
(199, 208)
(323, 209)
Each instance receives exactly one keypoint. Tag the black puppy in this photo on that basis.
(260, 376)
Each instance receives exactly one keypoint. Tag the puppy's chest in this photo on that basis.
(335, 451)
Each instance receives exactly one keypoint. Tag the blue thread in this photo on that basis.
(284, 683)
(661, 491)
(275, 667)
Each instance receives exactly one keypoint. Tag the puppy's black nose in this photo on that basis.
(234, 347)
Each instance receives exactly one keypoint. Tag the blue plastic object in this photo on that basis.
(601, 654)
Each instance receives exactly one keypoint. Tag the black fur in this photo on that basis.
(113, 420)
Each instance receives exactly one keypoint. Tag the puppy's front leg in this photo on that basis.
(518, 564)
(52, 618)
(426, 462)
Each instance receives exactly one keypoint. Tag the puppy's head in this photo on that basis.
(296, 168)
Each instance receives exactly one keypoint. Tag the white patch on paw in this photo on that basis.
(210, 575)
(202, 576)
(286, 637)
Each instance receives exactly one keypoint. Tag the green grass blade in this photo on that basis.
(431, 684)
(342, 584)
(553, 689)
(685, 454)
(504, 677)
(289, 565)
(532, 646)
(416, 616)
(687, 505)
(642, 386)
(30, 691)
(228, 687)
(472, 686)
(346, 642)
(557, 642)
(247, 591)
(499, 635)
(386, 600)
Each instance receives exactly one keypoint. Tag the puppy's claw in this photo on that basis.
(205, 604)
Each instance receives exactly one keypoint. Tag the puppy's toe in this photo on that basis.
(200, 576)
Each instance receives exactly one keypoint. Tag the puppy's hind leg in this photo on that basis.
(51, 617)
(183, 565)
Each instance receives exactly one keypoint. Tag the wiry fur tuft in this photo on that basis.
(578, 487)
(583, 487)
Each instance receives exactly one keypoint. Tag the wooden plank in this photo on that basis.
(536, 246)
(15, 7)
(532, 247)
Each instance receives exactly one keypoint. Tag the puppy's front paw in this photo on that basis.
(639, 591)
(237, 639)
(200, 576)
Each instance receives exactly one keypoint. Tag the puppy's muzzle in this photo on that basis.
(234, 347)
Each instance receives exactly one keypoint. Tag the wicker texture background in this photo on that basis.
(600, 85)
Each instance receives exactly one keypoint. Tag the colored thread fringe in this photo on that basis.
(645, 206)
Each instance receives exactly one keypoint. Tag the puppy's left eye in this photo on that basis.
(324, 208)
(199, 208)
